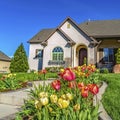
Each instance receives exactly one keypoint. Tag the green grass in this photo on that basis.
(111, 97)
(32, 76)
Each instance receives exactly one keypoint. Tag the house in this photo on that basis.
(4, 63)
(72, 44)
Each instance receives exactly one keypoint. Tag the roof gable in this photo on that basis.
(45, 34)
(4, 57)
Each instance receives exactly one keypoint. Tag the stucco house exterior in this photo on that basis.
(4, 63)
(72, 44)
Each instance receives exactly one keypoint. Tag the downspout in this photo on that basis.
(72, 59)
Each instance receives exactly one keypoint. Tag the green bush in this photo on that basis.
(53, 69)
(118, 56)
(19, 62)
(104, 70)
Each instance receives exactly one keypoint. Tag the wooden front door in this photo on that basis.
(82, 56)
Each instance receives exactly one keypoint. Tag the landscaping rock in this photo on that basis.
(116, 68)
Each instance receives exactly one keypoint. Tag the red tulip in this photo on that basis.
(93, 88)
(68, 75)
(84, 92)
(44, 71)
(56, 84)
(80, 85)
(72, 84)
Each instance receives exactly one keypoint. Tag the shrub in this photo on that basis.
(104, 70)
(53, 69)
(19, 62)
(118, 56)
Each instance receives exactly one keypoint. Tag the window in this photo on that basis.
(68, 25)
(39, 53)
(57, 54)
(108, 55)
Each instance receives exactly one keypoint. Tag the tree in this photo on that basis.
(118, 56)
(19, 62)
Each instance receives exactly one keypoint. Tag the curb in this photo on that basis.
(97, 99)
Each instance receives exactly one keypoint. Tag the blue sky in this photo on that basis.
(20, 20)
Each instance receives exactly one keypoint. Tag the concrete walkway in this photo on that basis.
(7, 112)
(11, 102)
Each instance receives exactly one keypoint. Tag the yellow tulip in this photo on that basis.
(53, 98)
(61, 70)
(37, 104)
(76, 107)
(63, 103)
(63, 96)
(43, 94)
(44, 101)
(69, 96)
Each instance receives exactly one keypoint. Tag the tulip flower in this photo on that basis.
(80, 85)
(56, 84)
(44, 71)
(44, 101)
(94, 89)
(69, 96)
(68, 75)
(84, 92)
(63, 103)
(53, 98)
(43, 94)
(76, 107)
(37, 104)
(72, 84)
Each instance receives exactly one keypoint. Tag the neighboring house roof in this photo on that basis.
(96, 29)
(101, 29)
(4, 57)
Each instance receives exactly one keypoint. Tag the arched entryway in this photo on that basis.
(82, 57)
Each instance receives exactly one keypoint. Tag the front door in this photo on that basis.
(82, 56)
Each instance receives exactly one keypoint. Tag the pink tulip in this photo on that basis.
(56, 84)
(68, 75)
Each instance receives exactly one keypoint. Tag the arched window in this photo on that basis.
(57, 54)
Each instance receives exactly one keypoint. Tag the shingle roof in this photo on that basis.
(4, 57)
(41, 36)
(103, 28)
(96, 29)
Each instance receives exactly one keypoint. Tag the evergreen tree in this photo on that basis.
(118, 56)
(19, 62)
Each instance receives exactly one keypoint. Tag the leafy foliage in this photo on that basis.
(118, 56)
(9, 82)
(19, 62)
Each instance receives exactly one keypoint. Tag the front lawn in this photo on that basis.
(111, 97)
